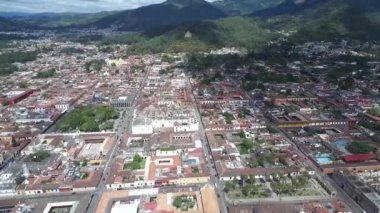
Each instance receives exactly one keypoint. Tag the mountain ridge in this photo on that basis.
(325, 21)
(171, 12)
(244, 7)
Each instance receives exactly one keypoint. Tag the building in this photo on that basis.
(360, 192)
(121, 102)
(142, 126)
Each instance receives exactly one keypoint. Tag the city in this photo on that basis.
(90, 122)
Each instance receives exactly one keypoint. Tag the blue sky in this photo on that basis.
(38, 6)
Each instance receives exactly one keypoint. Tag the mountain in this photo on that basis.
(9, 25)
(313, 20)
(200, 36)
(325, 19)
(294, 7)
(289, 7)
(244, 7)
(171, 12)
(62, 19)
(13, 14)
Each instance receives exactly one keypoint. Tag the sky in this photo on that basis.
(58, 6)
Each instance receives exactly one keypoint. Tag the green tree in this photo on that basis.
(359, 148)
(177, 202)
(245, 190)
(14, 142)
(20, 179)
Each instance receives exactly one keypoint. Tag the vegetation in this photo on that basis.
(14, 142)
(245, 7)
(254, 81)
(6, 60)
(374, 126)
(137, 163)
(167, 148)
(290, 189)
(20, 179)
(245, 187)
(159, 15)
(228, 117)
(204, 36)
(325, 21)
(94, 65)
(84, 175)
(184, 202)
(46, 74)
(62, 19)
(374, 111)
(39, 156)
(23, 84)
(359, 148)
(195, 169)
(246, 146)
(87, 119)
(7, 25)
(71, 50)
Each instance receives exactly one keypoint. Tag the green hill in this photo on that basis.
(244, 7)
(62, 19)
(171, 12)
(8, 25)
(326, 20)
(203, 36)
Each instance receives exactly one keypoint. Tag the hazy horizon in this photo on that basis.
(71, 6)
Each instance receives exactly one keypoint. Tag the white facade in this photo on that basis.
(191, 126)
(142, 126)
(62, 107)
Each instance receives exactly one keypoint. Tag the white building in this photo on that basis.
(142, 126)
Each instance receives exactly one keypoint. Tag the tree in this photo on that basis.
(242, 134)
(230, 185)
(374, 111)
(23, 84)
(359, 148)
(226, 189)
(14, 142)
(288, 92)
(235, 181)
(347, 83)
(244, 178)
(228, 117)
(245, 191)
(94, 65)
(40, 155)
(20, 179)
(177, 202)
(84, 163)
(252, 179)
(46, 74)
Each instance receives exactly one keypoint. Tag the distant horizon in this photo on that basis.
(72, 6)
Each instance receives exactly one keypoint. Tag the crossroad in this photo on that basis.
(340, 193)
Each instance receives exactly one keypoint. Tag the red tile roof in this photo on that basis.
(359, 157)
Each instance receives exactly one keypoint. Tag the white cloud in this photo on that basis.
(38, 6)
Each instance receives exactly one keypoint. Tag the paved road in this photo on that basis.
(340, 193)
(124, 125)
(206, 148)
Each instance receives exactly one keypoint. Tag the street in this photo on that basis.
(124, 126)
(213, 179)
(340, 193)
